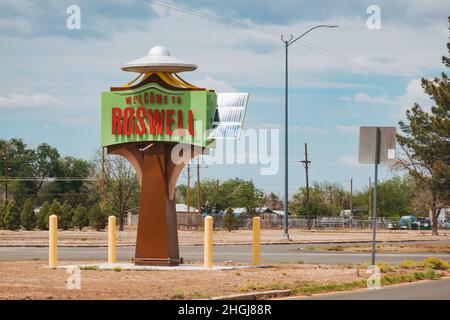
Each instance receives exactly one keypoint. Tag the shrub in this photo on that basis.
(66, 212)
(408, 264)
(98, 218)
(80, 217)
(230, 221)
(11, 219)
(42, 217)
(435, 264)
(385, 267)
(27, 216)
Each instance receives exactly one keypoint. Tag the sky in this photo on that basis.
(339, 79)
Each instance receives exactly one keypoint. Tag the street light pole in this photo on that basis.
(287, 43)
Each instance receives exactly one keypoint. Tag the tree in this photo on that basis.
(80, 217)
(273, 201)
(11, 219)
(42, 217)
(230, 221)
(98, 218)
(27, 215)
(55, 208)
(121, 184)
(66, 214)
(45, 163)
(425, 143)
(2, 213)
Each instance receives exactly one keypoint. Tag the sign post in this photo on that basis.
(376, 146)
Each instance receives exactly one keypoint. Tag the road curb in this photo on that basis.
(256, 295)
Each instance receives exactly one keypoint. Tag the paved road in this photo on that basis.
(237, 253)
(425, 290)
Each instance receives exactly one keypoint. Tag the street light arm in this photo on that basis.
(308, 31)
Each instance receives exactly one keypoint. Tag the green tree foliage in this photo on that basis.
(11, 219)
(3, 207)
(230, 221)
(55, 208)
(27, 215)
(216, 196)
(80, 217)
(66, 214)
(98, 218)
(425, 141)
(41, 163)
(325, 199)
(42, 217)
(395, 198)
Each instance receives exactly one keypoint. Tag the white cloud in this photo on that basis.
(22, 101)
(217, 85)
(414, 93)
(347, 129)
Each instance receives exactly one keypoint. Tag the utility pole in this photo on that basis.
(351, 202)
(6, 167)
(198, 188)
(102, 181)
(188, 189)
(370, 198)
(306, 163)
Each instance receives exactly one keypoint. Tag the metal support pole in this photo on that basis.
(286, 164)
(374, 219)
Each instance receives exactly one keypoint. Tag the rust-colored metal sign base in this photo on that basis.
(157, 237)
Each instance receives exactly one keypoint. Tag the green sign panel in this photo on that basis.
(154, 113)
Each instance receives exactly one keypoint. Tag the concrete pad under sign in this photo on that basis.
(131, 267)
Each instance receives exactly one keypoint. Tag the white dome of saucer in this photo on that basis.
(158, 59)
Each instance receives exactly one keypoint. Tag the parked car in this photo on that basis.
(409, 223)
(395, 225)
(445, 224)
(424, 223)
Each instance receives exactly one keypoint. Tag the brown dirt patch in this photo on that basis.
(33, 280)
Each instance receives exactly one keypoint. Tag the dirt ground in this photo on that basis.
(33, 280)
(89, 237)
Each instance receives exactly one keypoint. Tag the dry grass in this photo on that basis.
(33, 280)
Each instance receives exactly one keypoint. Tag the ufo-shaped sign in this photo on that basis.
(158, 59)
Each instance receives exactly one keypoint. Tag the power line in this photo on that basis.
(303, 43)
(212, 18)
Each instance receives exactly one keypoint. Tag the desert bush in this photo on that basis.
(435, 264)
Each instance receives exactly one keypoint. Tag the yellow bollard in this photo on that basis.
(256, 250)
(112, 239)
(53, 241)
(208, 253)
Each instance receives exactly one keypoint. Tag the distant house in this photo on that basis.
(443, 215)
(132, 215)
(182, 208)
(263, 212)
